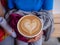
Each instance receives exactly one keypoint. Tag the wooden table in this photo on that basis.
(56, 32)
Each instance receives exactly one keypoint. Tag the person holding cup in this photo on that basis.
(30, 6)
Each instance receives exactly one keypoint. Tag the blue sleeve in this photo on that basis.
(47, 5)
(10, 4)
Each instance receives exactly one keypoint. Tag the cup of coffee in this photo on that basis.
(29, 26)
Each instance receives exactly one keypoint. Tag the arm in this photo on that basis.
(49, 26)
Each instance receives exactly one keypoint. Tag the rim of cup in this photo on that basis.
(26, 35)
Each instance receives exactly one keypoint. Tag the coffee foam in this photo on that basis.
(29, 26)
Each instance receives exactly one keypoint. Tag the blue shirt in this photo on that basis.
(31, 5)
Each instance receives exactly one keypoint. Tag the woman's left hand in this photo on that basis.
(36, 38)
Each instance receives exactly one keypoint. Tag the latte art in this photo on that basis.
(29, 25)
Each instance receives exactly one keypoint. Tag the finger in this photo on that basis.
(31, 40)
(41, 33)
(36, 38)
(39, 36)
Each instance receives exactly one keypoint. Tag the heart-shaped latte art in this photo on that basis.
(30, 25)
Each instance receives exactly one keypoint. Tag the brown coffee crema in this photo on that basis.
(29, 25)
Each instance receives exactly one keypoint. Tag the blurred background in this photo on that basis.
(56, 7)
(56, 13)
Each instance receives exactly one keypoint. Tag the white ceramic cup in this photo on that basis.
(24, 34)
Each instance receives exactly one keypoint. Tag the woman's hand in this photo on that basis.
(36, 38)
